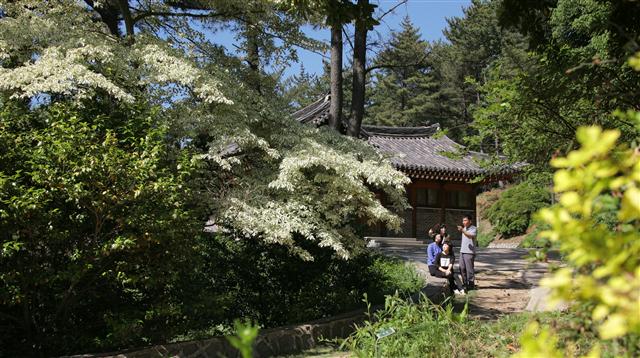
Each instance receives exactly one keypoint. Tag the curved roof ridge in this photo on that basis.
(446, 138)
(315, 112)
(401, 132)
(421, 152)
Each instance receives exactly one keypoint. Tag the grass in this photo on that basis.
(424, 329)
(391, 275)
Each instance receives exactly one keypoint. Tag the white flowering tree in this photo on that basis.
(288, 180)
(117, 147)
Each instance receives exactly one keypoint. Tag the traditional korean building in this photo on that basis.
(445, 177)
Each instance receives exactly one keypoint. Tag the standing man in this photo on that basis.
(468, 252)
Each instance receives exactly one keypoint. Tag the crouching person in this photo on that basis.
(444, 266)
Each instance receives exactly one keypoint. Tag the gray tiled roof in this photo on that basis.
(317, 113)
(419, 151)
(424, 152)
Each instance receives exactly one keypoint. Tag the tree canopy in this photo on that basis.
(117, 148)
(403, 87)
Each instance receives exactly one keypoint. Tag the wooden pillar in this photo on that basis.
(414, 213)
(443, 203)
(474, 193)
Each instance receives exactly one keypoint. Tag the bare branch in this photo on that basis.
(391, 10)
(346, 35)
(404, 65)
(143, 15)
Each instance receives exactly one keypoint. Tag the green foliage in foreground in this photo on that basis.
(98, 226)
(246, 334)
(428, 330)
(511, 214)
(603, 264)
(534, 240)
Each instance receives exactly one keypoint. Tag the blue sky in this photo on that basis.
(428, 15)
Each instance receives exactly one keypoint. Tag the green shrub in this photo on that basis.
(389, 275)
(266, 284)
(511, 214)
(101, 228)
(534, 240)
(97, 222)
(484, 239)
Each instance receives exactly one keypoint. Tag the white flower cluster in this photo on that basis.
(165, 68)
(4, 50)
(62, 72)
(314, 154)
(65, 52)
(223, 150)
(277, 222)
(315, 194)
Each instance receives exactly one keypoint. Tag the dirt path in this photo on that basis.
(504, 278)
(498, 293)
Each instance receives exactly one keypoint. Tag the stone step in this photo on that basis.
(407, 242)
(399, 241)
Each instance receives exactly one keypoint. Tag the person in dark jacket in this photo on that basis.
(444, 266)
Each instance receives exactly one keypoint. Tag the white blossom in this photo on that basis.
(289, 182)
(74, 56)
(61, 72)
(166, 68)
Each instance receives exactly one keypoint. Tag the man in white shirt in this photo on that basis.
(468, 252)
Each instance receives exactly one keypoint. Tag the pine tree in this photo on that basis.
(403, 86)
(475, 42)
(304, 88)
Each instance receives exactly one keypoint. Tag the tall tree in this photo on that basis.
(475, 41)
(364, 21)
(339, 12)
(403, 90)
(266, 33)
(335, 110)
(335, 14)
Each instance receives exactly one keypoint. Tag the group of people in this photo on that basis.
(440, 256)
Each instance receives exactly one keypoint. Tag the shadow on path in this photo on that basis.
(504, 278)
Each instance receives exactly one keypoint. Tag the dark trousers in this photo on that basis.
(467, 270)
(433, 270)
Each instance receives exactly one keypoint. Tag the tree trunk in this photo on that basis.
(253, 58)
(109, 15)
(128, 20)
(335, 109)
(359, 61)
